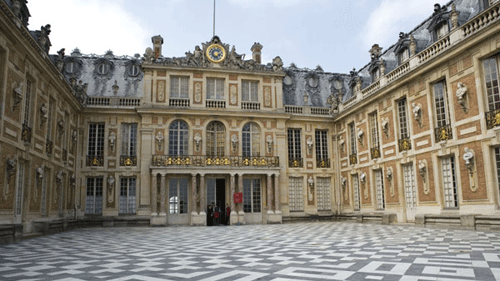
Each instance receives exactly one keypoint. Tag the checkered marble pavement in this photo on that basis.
(301, 251)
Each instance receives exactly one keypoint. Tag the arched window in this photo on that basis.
(216, 139)
(251, 140)
(178, 138)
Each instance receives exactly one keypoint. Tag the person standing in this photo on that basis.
(228, 213)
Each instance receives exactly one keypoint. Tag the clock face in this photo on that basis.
(216, 53)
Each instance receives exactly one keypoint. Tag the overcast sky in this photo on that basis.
(335, 34)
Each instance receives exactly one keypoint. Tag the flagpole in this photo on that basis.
(214, 17)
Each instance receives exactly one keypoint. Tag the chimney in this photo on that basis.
(256, 52)
(157, 42)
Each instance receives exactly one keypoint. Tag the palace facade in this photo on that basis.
(413, 136)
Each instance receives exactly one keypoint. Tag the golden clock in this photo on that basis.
(216, 53)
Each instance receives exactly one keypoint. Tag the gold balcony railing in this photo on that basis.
(404, 144)
(443, 133)
(214, 161)
(323, 163)
(492, 118)
(128, 160)
(353, 159)
(26, 133)
(95, 160)
(375, 152)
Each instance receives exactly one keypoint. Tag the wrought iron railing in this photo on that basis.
(214, 161)
(353, 159)
(404, 144)
(375, 152)
(323, 163)
(295, 162)
(443, 133)
(49, 146)
(128, 160)
(26, 133)
(492, 118)
(95, 160)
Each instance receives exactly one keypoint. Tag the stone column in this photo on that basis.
(154, 195)
(163, 196)
(233, 182)
(270, 193)
(203, 195)
(194, 209)
(277, 193)
(240, 189)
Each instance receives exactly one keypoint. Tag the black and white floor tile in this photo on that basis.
(302, 251)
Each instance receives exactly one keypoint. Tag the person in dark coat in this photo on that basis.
(228, 213)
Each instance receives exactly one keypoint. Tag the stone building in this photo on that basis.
(410, 137)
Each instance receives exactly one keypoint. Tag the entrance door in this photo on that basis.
(410, 192)
(216, 201)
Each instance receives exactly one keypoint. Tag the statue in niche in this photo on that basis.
(269, 141)
(111, 189)
(233, 94)
(159, 141)
(310, 193)
(112, 139)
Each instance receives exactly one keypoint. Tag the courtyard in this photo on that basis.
(299, 251)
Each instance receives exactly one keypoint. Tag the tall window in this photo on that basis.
(296, 194)
(129, 139)
(403, 119)
(404, 55)
(251, 196)
(441, 101)
(178, 196)
(251, 140)
(27, 103)
(20, 188)
(178, 138)
(322, 159)
(374, 137)
(449, 182)
(127, 195)
(404, 133)
(215, 88)
(43, 203)
(324, 194)
(179, 87)
(249, 90)
(96, 140)
(491, 78)
(352, 141)
(442, 30)
(294, 150)
(355, 191)
(497, 160)
(93, 202)
(379, 186)
(49, 119)
(216, 139)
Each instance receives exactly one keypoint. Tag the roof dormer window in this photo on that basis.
(404, 55)
(103, 68)
(442, 30)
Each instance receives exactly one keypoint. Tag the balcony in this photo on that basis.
(353, 159)
(113, 102)
(250, 105)
(404, 144)
(179, 102)
(443, 133)
(49, 146)
(375, 152)
(95, 160)
(128, 160)
(215, 161)
(295, 162)
(26, 133)
(492, 118)
(323, 163)
(216, 104)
